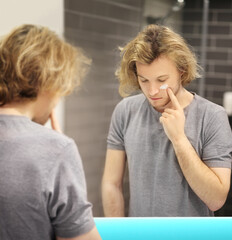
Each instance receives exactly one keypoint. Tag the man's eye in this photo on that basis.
(143, 80)
(162, 80)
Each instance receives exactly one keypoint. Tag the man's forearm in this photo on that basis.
(113, 201)
(203, 181)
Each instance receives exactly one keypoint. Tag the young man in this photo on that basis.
(178, 145)
(42, 183)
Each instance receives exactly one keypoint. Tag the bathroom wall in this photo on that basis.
(46, 13)
(218, 70)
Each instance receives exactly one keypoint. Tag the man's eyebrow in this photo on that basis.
(141, 76)
(161, 76)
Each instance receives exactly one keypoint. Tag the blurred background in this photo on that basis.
(100, 27)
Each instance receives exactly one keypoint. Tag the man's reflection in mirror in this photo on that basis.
(177, 144)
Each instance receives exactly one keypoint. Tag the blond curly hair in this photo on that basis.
(149, 44)
(34, 59)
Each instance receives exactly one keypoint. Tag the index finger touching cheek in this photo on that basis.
(173, 98)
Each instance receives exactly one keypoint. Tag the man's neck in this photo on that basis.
(184, 97)
(19, 109)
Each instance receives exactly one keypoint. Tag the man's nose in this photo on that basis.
(153, 89)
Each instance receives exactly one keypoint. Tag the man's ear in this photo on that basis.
(181, 76)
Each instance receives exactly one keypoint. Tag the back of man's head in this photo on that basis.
(33, 60)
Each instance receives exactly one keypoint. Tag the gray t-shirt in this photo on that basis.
(157, 184)
(42, 183)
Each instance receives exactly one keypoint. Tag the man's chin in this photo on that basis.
(161, 107)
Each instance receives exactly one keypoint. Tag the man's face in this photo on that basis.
(152, 76)
(46, 102)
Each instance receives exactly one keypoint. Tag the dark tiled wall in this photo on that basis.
(219, 44)
(99, 27)
(219, 53)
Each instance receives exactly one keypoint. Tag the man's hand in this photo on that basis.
(173, 119)
(54, 122)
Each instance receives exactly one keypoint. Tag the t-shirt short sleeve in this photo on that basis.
(115, 139)
(217, 148)
(68, 208)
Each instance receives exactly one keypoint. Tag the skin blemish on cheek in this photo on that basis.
(164, 86)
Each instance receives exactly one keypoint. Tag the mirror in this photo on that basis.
(100, 27)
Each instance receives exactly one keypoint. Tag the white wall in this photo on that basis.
(43, 12)
(48, 13)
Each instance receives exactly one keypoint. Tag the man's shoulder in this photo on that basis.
(53, 136)
(208, 106)
(44, 136)
(53, 147)
(132, 102)
(135, 98)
